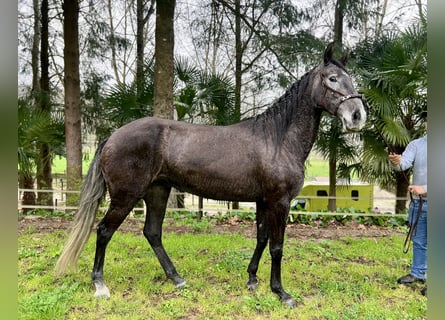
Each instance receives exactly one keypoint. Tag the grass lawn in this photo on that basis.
(316, 168)
(59, 164)
(331, 279)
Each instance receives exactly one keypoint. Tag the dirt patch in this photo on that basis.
(40, 224)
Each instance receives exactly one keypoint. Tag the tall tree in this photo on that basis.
(35, 48)
(26, 165)
(44, 178)
(164, 59)
(238, 59)
(164, 65)
(72, 94)
(339, 13)
(26, 157)
(334, 128)
(142, 19)
(331, 142)
(35, 125)
(238, 69)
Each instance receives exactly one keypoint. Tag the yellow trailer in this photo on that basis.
(314, 197)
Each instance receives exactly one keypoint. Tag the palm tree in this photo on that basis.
(394, 80)
(36, 126)
(203, 97)
(120, 104)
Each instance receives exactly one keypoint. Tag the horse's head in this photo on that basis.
(334, 92)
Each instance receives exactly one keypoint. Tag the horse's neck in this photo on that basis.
(291, 124)
(302, 134)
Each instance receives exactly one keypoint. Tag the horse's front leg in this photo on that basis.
(262, 237)
(276, 219)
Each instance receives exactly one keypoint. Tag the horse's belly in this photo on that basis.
(225, 191)
(216, 186)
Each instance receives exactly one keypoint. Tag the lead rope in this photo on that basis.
(413, 226)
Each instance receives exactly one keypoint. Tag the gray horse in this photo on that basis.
(260, 159)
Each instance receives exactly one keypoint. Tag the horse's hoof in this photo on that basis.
(102, 293)
(252, 285)
(101, 290)
(290, 302)
(180, 283)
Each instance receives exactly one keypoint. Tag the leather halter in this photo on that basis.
(343, 97)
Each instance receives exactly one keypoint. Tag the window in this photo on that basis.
(354, 195)
(322, 193)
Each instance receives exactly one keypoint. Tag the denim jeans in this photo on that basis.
(419, 238)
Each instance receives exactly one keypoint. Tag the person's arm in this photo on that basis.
(405, 160)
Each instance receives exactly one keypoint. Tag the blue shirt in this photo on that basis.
(415, 155)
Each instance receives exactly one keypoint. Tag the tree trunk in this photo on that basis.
(340, 7)
(29, 197)
(382, 15)
(140, 4)
(338, 38)
(35, 48)
(113, 42)
(332, 202)
(200, 207)
(72, 98)
(140, 41)
(164, 66)
(238, 70)
(44, 179)
(27, 181)
(401, 191)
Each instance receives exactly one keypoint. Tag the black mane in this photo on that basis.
(275, 121)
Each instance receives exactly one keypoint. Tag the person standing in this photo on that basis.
(415, 156)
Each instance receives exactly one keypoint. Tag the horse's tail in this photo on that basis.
(92, 192)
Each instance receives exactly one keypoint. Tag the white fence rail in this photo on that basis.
(191, 203)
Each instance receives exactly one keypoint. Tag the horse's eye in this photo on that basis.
(333, 78)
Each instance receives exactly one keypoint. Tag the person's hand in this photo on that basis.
(395, 158)
(416, 190)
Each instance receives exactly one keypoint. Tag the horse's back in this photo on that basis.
(214, 161)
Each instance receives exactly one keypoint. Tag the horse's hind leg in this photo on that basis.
(156, 203)
(114, 217)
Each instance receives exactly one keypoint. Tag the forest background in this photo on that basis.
(86, 68)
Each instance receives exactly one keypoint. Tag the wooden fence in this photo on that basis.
(191, 203)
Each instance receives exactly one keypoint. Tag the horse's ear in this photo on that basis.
(328, 53)
(344, 60)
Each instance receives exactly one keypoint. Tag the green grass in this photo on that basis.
(59, 164)
(316, 168)
(330, 279)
